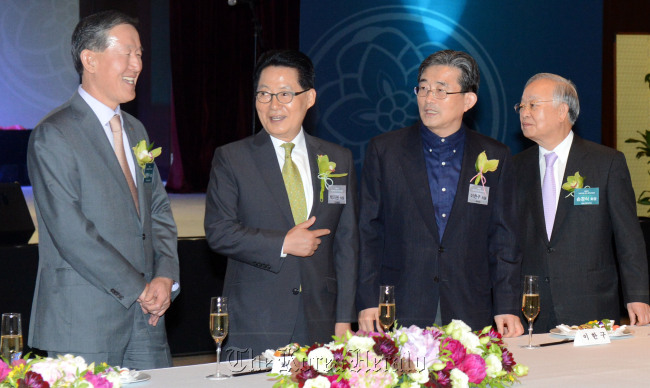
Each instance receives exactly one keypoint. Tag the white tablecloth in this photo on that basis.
(624, 362)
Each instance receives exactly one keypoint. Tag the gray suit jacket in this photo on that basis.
(95, 253)
(247, 218)
(590, 244)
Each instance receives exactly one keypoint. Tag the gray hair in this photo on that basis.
(469, 73)
(91, 33)
(565, 91)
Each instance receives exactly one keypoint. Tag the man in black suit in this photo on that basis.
(433, 226)
(575, 246)
(290, 236)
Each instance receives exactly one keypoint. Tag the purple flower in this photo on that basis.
(494, 335)
(32, 380)
(338, 384)
(507, 360)
(4, 370)
(385, 347)
(457, 350)
(474, 367)
(442, 381)
(97, 381)
(421, 347)
(307, 373)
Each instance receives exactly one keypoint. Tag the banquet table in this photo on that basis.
(625, 362)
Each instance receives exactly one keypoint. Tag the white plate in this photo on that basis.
(613, 335)
(134, 377)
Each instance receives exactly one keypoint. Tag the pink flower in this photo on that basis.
(457, 350)
(474, 367)
(422, 346)
(338, 384)
(4, 370)
(97, 381)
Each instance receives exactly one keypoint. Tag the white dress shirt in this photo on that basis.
(562, 152)
(104, 115)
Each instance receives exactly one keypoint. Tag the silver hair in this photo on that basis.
(565, 91)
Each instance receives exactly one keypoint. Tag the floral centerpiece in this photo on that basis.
(448, 356)
(64, 371)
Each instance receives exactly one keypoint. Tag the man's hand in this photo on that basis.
(340, 328)
(509, 325)
(639, 313)
(302, 242)
(369, 320)
(156, 298)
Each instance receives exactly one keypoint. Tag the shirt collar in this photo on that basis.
(103, 112)
(434, 141)
(562, 149)
(299, 141)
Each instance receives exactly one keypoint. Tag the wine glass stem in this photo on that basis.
(530, 333)
(218, 358)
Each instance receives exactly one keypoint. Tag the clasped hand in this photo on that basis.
(156, 298)
(302, 242)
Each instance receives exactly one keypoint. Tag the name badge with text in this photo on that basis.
(336, 194)
(148, 172)
(478, 194)
(586, 196)
(588, 337)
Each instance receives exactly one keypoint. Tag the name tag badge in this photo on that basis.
(148, 172)
(588, 337)
(586, 196)
(478, 194)
(336, 194)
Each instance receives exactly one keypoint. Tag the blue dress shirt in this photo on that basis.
(443, 158)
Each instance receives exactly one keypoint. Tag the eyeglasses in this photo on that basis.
(531, 106)
(440, 94)
(282, 97)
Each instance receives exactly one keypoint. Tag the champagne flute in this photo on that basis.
(219, 331)
(386, 306)
(530, 305)
(11, 337)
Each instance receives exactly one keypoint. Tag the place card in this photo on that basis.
(587, 337)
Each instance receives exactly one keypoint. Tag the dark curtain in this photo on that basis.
(212, 70)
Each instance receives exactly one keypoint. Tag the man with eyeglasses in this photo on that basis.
(437, 219)
(286, 218)
(580, 229)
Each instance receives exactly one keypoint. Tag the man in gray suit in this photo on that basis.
(290, 236)
(107, 252)
(577, 243)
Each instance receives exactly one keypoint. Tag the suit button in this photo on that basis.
(295, 291)
(550, 250)
(435, 279)
(547, 280)
(144, 236)
(441, 250)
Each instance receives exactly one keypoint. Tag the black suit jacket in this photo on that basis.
(247, 218)
(474, 271)
(589, 245)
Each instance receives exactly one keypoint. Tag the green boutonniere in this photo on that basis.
(483, 165)
(573, 182)
(145, 153)
(325, 173)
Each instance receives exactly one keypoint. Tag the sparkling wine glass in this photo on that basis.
(219, 331)
(386, 306)
(11, 337)
(530, 305)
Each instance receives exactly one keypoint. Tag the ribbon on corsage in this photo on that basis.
(483, 165)
(326, 173)
(145, 154)
(573, 182)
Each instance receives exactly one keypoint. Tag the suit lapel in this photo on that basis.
(313, 150)
(565, 204)
(266, 161)
(532, 181)
(415, 172)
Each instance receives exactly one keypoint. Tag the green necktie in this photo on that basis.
(293, 183)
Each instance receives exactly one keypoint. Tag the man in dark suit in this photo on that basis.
(107, 238)
(289, 231)
(436, 219)
(575, 246)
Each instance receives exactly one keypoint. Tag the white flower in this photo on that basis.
(318, 382)
(421, 376)
(493, 365)
(321, 359)
(48, 369)
(334, 346)
(362, 344)
(471, 342)
(456, 329)
(458, 379)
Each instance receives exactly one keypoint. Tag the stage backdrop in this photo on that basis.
(367, 53)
